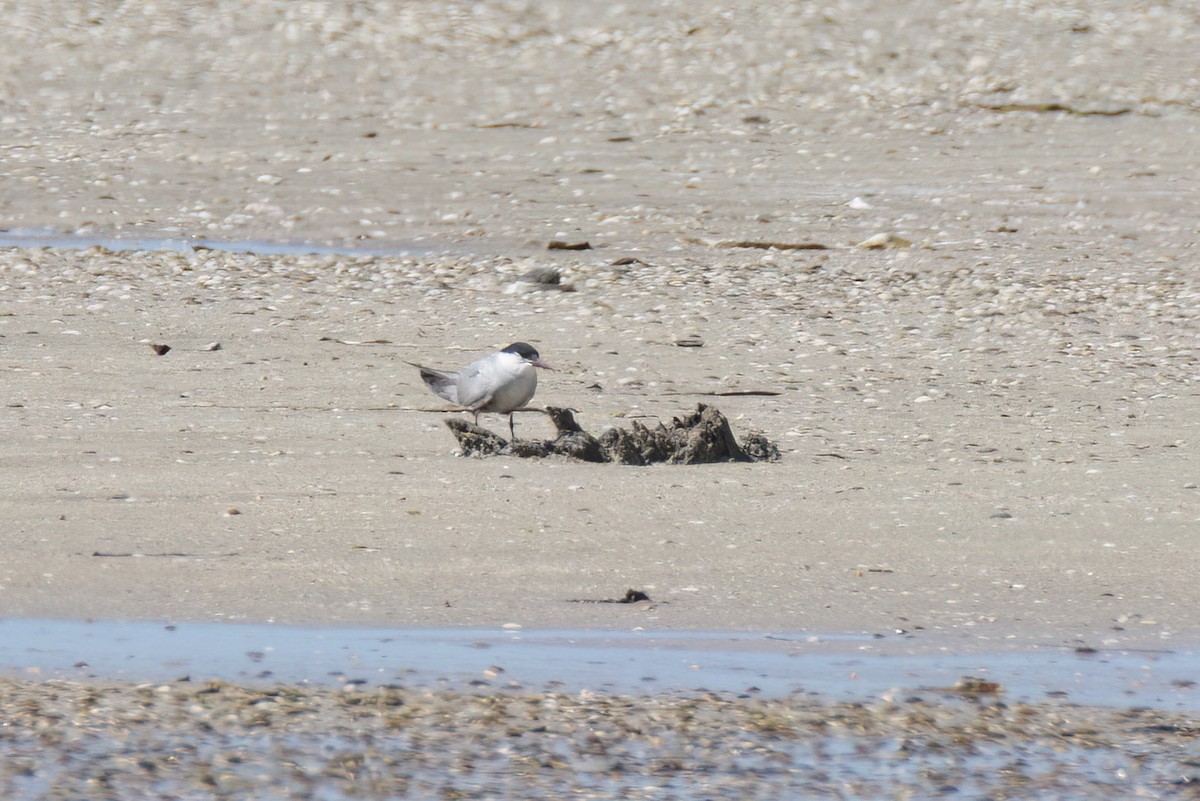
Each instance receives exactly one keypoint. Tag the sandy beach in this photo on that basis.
(943, 254)
(988, 423)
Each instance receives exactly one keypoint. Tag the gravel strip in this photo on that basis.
(67, 740)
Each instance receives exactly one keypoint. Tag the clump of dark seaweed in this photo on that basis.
(702, 437)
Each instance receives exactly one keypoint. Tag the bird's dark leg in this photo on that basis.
(512, 432)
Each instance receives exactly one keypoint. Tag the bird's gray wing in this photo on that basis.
(444, 384)
(473, 383)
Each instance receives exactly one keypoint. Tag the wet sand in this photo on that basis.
(930, 481)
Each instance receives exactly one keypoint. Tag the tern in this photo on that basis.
(501, 382)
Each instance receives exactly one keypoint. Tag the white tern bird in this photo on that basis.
(500, 382)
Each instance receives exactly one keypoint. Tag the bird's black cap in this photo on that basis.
(524, 350)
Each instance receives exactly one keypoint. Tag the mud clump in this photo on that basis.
(702, 437)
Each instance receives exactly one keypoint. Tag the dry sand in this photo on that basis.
(990, 434)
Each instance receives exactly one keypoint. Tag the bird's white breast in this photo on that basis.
(506, 377)
(515, 392)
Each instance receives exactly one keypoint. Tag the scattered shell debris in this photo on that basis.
(191, 739)
(549, 278)
(883, 241)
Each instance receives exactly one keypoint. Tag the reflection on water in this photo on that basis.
(828, 667)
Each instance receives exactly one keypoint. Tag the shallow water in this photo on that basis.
(189, 739)
(51, 238)
(826, 667)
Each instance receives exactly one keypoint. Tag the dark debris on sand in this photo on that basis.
(702, 437)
